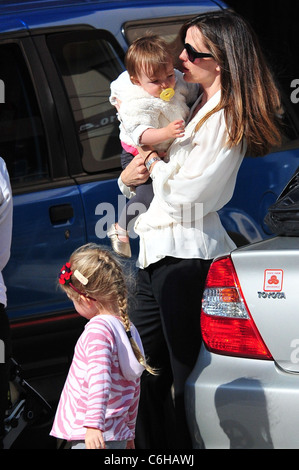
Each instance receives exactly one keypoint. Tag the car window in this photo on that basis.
(88, 63)
(168, 28)
(22, 138)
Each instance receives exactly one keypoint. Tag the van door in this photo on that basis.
(48, 219)
(88, 61)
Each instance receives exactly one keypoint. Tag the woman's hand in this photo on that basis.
(94, 439)
(146, 152)
(135, 173)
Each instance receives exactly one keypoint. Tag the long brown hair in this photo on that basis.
(249, 95)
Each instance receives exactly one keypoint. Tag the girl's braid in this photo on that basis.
(121, 293)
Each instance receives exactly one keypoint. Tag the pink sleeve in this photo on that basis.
(132, 412)
(129, 149)
(100, 347)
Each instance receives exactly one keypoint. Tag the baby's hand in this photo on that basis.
(117, 103)
(176, 129)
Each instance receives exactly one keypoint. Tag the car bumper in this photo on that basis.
(235, 403)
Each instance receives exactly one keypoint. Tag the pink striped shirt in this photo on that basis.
(103, 384)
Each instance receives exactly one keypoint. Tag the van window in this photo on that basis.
(168, 28)
(88, 63)
(22, 138)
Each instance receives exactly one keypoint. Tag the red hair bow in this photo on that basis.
(65, 274)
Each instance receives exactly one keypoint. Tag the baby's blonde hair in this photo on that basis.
(150, 54)
(101, 278)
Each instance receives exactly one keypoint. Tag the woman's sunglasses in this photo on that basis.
(193, 54)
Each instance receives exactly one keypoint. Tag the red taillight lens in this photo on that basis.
(227, 326)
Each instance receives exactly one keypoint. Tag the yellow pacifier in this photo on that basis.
(167, 94)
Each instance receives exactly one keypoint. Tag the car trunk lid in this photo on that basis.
(269, 278)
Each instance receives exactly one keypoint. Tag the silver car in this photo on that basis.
(244, 390)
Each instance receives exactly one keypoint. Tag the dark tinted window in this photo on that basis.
(22, 138)
(88, 63)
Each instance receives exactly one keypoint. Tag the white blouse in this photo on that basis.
(6, 208)
(199, 179)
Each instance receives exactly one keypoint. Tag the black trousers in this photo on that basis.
(167, 316)
(5, 339)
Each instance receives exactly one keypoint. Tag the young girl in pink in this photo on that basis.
(99, 402)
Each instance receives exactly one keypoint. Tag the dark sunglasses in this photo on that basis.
(193, 54)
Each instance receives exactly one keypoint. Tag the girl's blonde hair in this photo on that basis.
(249, 95)
(95, 273)
(149, 54)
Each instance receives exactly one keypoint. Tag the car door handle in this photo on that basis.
(61, 214)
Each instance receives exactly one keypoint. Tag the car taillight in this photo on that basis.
(227, 326)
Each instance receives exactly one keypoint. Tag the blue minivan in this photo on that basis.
(59, 138)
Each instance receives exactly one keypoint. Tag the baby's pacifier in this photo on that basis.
(167, 94)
